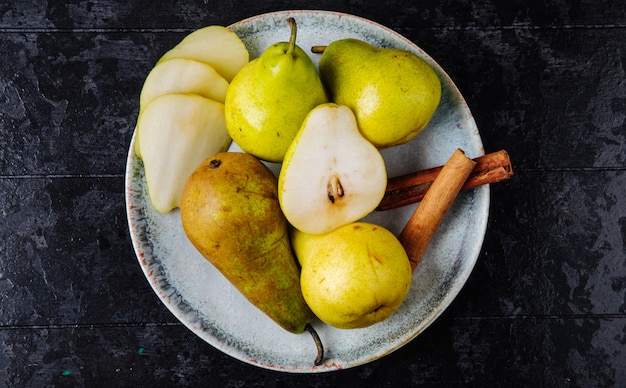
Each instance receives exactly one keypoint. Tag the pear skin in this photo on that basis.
(230, 213)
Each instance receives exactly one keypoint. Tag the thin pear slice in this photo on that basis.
(175, 133)
(181, 75)
(214, 45)
(331, 175)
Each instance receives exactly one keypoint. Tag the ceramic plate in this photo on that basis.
(210, 307)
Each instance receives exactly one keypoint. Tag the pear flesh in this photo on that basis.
(230, 212)
(393, 93)
(182, 75)
(214, 45)
(355, 276)
(331, 175)
(175, 132)
(270, 97)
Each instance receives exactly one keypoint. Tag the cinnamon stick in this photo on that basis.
(318, 49)
(410, 188)
(427, 217)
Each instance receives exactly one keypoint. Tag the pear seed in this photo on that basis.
(335, 190)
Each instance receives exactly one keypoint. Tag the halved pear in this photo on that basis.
(176, 132)
(182, 75)
(331, 175)
(214, 45)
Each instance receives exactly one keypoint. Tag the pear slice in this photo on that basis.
(331, 175)
(181, 75)
(214, 45)
(176, 132)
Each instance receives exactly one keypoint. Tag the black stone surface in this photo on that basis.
(545, 305)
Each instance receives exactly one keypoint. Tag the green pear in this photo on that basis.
(270, 97)
(182, 76)
(214, 45)
(230, 213)
(353, 277)
(174, 133)
(331, 174)
(393, 93)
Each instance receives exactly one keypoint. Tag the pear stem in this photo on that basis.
(318, 343)
(292, 37)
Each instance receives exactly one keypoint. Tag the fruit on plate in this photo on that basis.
(270, 97)
(182, 75)
(214, 45)
(175, 132)
(353, 277)
(393, 93)
(331, 175)
(230, 213)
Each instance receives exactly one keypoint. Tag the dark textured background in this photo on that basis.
(545, 305)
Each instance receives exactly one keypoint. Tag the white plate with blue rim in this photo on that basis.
(206, 303)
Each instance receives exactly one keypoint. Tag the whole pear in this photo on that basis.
(354, 276)
(269, 98)
(393, 93)
(230, 212)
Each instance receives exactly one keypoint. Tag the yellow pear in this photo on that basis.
(354, 276)
(270, 97)
(393, 93)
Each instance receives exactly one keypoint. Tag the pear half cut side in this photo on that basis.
(331, 175)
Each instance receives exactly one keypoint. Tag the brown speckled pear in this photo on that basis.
(230, 212)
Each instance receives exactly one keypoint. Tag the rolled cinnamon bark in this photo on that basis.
(410, 188)
(427, 217)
